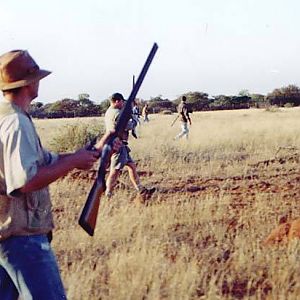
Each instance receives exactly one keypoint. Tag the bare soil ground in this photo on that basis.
(279, 175)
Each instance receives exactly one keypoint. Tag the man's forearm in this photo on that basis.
(48, 174)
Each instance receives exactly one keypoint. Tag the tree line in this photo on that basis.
(288, 96)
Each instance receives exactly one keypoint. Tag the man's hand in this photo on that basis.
(116, 144)
(84, 159)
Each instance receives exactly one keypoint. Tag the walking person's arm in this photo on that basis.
(187, 114)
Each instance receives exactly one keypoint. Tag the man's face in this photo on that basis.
(33, 89)
(119, 104)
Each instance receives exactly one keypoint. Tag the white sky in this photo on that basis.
(213, 46)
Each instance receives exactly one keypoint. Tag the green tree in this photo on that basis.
(158, 104)
(244, 92)
(36, 110)
(104, 105)
(83, 96)
(289, 94)
(238, 102)
(258, 100)
(196, 100)
(220, 102)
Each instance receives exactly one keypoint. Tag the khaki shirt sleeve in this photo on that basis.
(20, 153)
(110, 119)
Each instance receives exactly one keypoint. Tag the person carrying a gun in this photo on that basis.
(28, 267)
(121, 158)
(184, 117)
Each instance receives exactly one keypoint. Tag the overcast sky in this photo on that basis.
(213, 46)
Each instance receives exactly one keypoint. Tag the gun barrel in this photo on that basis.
(174, 120)
(126, 111)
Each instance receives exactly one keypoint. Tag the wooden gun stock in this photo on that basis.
(88, 216)
(89, 213)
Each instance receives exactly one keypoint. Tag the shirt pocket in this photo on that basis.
(38, 208)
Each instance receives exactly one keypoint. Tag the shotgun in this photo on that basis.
(88, 216)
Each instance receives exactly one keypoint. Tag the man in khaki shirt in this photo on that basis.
(122, 158)
(28, 268)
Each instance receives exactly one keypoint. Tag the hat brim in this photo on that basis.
(37, 76)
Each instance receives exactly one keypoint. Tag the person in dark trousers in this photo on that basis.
(28, 267)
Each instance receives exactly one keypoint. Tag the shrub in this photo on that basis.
(289, 105)
(73, 137)
(166, 112)
(272, 108)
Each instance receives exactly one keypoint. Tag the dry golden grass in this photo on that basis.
(220, 195)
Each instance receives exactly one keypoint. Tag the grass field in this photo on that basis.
(200, 237)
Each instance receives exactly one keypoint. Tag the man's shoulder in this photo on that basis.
(14, 121)
(184, 104)
(112, 109)
(10, 111)
(112, 112)
(180, 106)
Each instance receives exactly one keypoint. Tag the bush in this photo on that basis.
(166, 112)
(272, 108)
(73, 137)
(289, 105)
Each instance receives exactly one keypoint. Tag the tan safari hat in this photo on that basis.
(17, 69)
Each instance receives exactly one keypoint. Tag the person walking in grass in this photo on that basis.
(145, 113)
(135, 117)
(121, 158)
(28, 267)
(184, 119)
